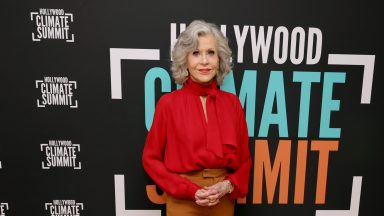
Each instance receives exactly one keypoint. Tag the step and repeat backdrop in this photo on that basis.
(80, 81)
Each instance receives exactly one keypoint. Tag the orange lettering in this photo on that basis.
(153, 196)
(324, 147)
(301, 165)
(280, 166)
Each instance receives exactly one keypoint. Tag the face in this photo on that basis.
(203, 62)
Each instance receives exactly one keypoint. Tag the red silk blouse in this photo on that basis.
(181, 139)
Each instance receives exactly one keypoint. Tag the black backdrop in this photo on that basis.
(107, 133)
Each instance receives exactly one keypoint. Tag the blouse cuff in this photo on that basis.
(235, 192)
(191, 191)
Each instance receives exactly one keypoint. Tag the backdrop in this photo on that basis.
(80, 80)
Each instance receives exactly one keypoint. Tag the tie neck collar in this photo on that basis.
(202, 90)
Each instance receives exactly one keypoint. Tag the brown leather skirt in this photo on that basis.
(206, 177)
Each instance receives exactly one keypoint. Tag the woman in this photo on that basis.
(197, 148)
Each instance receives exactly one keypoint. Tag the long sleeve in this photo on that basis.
(153, 156)
(240, 177)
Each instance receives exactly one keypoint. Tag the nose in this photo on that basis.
(204, 59)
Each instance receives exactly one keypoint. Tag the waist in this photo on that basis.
(207, 173)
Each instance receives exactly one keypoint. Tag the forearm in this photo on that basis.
(170, 182)
(240, 179)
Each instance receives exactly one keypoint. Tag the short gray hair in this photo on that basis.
(188, 41)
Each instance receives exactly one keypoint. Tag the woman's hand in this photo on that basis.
(202, 199)
(210, 196)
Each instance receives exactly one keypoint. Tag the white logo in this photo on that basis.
(56, 91)
(52, 24)
(0, 165)
(3, 207)
(60, 153)
(64, 208)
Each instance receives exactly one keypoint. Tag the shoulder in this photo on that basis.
(230, 97)
(227, 94)
(168, 99)
(233, 100)
(164, 101)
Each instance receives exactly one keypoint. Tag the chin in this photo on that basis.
(205, 80)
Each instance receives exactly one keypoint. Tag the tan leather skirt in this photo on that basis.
(206, 177)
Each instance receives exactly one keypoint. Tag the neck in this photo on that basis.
(202, 89)
(202, 83)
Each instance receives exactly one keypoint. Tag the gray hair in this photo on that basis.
(188, 41)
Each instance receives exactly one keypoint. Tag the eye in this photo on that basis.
(211, 52)
(195, 53)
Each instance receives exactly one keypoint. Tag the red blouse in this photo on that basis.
(177, 141)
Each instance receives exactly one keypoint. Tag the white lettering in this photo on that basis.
(281, 35)
(240, 40)
(314, 32)
(261, 43)
(297, 32)
(2, 210)
(287, 45)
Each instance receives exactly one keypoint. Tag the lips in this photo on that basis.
(204, 70)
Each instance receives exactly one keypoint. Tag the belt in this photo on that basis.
(207, 173)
